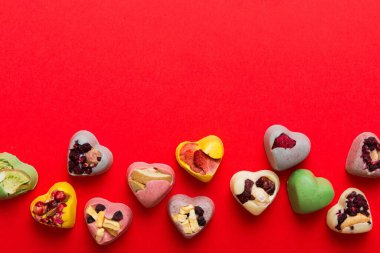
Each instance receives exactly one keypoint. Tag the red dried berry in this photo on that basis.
(117, 216)
(283, 141)
(369, 145)
(59, 196)
(267, 184)
(39, 208)
(99, 208)
(77, 158)
(246, 195)
(60, 207)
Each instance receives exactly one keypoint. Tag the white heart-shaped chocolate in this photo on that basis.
(190, 215)
(364, 156)
(86, 157)
(150, 183)
(285, 148)
(255, 191)
(351, 215)
(106, 220)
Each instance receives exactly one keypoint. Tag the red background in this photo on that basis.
(145, 75)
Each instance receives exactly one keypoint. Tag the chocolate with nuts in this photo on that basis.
(255, 191)
(83, 158)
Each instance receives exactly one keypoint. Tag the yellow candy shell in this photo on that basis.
(69, 212)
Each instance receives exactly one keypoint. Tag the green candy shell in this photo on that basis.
(308, 193)
(18, 165)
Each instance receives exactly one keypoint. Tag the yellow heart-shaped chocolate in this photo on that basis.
(56, 208)
(201, 158)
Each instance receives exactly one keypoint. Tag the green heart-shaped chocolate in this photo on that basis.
(16, 177)
(308, 193)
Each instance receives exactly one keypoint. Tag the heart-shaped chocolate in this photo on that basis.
(190, 215)
(150, 183)
(308, 193)
(285, 148)
(255, 191)
(86, 156)
(351, 215)
(106, 220)
(202, 158)
(364, 156)
(56, 208)
(16, 177)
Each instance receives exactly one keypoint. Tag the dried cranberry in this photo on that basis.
(89, 219)
(39, 208)
(201, 221)
(370, 144)
(57, 219)
(77, 163)
(246, 195)
(88, 170)
(267, 184)
(59, 196)
(355, 203)
(60, 207)
(74, 156)
(85, 147)
(117, 216)
(52, 204)
(78, 170)
(199, 210)
(99, 208)
(283, 141)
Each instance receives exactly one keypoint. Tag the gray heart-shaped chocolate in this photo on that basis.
(363, 159)
(190, 215)
(285, 148)
(86, 157)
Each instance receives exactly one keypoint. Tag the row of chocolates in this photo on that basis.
(150, 183)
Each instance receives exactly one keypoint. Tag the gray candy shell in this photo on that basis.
(281, 158)
(354, 163)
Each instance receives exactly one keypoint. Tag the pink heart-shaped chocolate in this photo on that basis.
(285, 148)
(86, 157)
(106, 220)
(150, 183)
(190, 215)
(364, 156)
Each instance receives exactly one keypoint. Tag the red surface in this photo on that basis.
(146, 75)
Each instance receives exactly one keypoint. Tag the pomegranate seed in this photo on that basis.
(60, 207)
(39, 208)
(59, 196)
